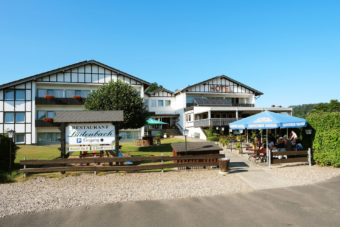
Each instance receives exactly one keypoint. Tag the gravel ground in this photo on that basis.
(295, 174)
(87, 189)
(44, 193)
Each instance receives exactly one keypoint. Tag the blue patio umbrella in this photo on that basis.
(268, 120)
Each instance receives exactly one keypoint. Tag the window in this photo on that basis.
(50, 92)
(85, 93)
(146, 102)
(48, 137)
(153, 103)
(59, 93)
(188, 117)
(19, 117)
(160, 103)
(167, 102)
(41, 114)
(9, 117)
(70, 93)
(20, 95)
(42, 92)
(50, 114)
(77, 92)
(20, 138)
(14, 117)
(9, 95)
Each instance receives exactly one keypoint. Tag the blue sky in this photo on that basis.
(289, 50)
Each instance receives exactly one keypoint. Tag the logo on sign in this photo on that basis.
(78, 140)
(263, 120)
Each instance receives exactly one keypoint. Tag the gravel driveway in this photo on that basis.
(44, 193)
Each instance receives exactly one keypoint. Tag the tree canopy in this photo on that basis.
(304, 109)
(332, 106)
(153, 88)
(119, 96)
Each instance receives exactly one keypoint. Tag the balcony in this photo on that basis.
(42, 123)
(213, 122)
(59, 101)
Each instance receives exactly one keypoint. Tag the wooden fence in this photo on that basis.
(96, 164)
(291, 156)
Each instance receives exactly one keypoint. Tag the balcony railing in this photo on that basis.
(59, 101)
(42, 123)
(213, 122)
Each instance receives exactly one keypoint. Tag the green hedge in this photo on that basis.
(5, 144)
(326, 137)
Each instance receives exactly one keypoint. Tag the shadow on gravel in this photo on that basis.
(238, 164)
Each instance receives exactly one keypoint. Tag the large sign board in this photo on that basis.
(90, 133)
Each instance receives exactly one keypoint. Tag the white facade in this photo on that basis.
(25, 107)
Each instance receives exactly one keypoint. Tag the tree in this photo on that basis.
(119, 96)
(302, 110)
(332, 106)
(153, 88)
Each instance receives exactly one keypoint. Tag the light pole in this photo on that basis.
(11, 135)
(186, 132)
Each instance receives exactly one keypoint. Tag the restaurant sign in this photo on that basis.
(87, 134)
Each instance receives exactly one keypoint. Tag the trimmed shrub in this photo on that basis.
(5, 144)
(326, 137)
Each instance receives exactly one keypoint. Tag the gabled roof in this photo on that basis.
(221, 77)
(82, 63)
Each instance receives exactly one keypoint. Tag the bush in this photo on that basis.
(5, 144)
(326, 137)
(224, 140)
(213, 138)
(209, 132)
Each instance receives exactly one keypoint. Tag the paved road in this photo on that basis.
(314, 205)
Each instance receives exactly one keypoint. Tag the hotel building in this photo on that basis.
(28, 105)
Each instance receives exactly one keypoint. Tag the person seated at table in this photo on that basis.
(280, 145)
(298, 146)
(293, 138)
(288, 144)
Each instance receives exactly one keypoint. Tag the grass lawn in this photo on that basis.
(49, 152)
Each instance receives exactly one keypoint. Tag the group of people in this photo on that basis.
(280, 144)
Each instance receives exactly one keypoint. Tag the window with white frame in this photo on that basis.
(160, 103)
(42, 92)
(44, 114)
(59, 93)
(12, 117)
(20, 95)
(167, 102)
(19, 117)
(9, 95)
(146, 103)
(19, 138)
(153, 103)
(9, 117)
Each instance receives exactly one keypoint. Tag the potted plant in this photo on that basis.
(49, 96)
(165, 135)
(48, 119)
(238, 147)
(77, 97)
